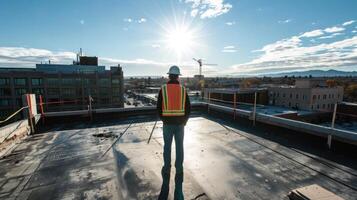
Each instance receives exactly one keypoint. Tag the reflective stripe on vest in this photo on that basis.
(174, 100)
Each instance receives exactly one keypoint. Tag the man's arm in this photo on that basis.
(187, 108)
(159, 104)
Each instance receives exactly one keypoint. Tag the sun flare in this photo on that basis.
(180, 40)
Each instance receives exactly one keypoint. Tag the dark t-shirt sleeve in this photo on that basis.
(187, 108)
(159, 104)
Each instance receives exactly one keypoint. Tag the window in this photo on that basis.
(4, 102)
(52, 81)
(69, 81)
(318, 106)
(89, 81)
(4, 81)
(20, 81)
(324, 97)
(104, 82)
(312, 107)
(283, 94)
(318, 97)
(115, 81)
(277, 94)
(323, 106)
(5, 92)
(36, 81)
(53, 91)
(68, 91)
(314, 97)
(20, 91)
(291, 95)
(297, 96)
(116, 91)
(289, 104)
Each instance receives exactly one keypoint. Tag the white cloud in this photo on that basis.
(284, 21)
(348, 23)
(331, 36)
(334, 29)
(129, 20)
(229, 49)
(313, 33)
(230, 23)
(81, 21)
(25, 57)
(208, 8)
(354, 31)
(142, 20)
(292, 54)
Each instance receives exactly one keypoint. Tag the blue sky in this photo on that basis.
(147, 36)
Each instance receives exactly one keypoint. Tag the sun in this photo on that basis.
(180, 40)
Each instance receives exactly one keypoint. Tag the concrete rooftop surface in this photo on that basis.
(223, 160)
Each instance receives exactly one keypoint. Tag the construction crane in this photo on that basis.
(200, 63)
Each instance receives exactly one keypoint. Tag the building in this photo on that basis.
(63, 87)
(307, 94)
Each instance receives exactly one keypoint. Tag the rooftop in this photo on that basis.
(223, 160)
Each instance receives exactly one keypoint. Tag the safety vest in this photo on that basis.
(174, 100)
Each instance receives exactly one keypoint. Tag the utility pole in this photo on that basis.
(255, 107)
(329, 137)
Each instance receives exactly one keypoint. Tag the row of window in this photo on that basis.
(323, 106)
(56, 81)
(64, 91)
(325, 96)
(18, 101)
(7, 102)
(316, 107)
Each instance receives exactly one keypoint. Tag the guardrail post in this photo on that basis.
(90, 107)
(41, 109)
(234, 105)
(329, 137)
(30, 109)
(209, 101)
(254, 108)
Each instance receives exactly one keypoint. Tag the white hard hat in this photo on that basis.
(174, 70)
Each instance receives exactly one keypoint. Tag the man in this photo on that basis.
(173, 106)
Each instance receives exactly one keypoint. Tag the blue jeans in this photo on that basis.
(169, 132)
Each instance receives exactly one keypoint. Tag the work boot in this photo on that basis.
(178, 195)
(165, 187)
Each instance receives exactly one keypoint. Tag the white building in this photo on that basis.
(306, 95)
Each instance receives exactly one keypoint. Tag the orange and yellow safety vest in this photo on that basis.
(174, 100)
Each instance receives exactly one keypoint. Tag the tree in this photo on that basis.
(351, 92)
(331, 83)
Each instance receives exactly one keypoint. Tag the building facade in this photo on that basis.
(63, 87)
(313, 95)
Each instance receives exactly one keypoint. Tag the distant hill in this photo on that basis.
(315, 73)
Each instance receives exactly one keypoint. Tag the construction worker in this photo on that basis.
(173, 106)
